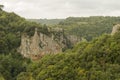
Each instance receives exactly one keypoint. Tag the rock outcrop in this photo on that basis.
(39, 44)
(73, 39)
(115, 29)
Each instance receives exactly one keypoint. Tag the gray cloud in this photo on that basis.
(62, 8)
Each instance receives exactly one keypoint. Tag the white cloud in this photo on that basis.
(62, 8)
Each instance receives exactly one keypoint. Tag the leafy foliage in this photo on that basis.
(89, 27)
(98, 59)
(47, 21)
(95, 60)
(83, 27)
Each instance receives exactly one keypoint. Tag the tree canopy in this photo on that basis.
(97, 59)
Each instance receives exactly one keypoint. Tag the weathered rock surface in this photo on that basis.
(115, 29)
(73, 39)
(36, 46)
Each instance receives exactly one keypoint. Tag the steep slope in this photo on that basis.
(94, 60)
(115, 29)
(13, 31)
(18, 32)
(11, 27)
(40, 44)
(98, 59)
(87, 27)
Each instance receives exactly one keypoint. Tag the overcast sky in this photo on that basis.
(62, 8)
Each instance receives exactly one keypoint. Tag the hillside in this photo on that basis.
(47, 21)
(95, 59)
(12, 28)
(87, 27)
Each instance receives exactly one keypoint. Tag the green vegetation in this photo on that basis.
(98, 59)
(47, 21)
(95, 60)
(11, 28)
(85, 27)
(89, 27)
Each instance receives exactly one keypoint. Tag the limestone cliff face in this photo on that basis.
(115, 29)
(73, 39)
(39, 44)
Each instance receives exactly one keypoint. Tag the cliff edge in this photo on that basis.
(39, 44)
(115, 29)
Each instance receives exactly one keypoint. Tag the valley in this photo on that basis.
(75, 48)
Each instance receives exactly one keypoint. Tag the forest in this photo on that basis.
(83, 27)
(96, 58)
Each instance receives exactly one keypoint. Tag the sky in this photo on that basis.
(51, 9)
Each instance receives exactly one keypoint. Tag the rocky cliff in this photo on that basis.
(115, 29)
(39, 44)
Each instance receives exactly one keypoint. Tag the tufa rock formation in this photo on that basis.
(115, 29)
(73, 39)
(39, 44)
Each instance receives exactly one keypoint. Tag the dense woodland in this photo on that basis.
(47, 21)
(89, 27)
(95, 59)
(84, 27)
